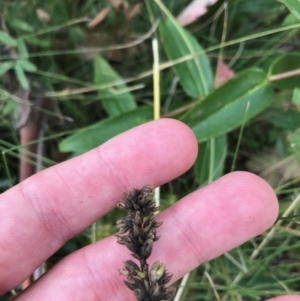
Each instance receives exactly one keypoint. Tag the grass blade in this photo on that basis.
(293, 6)
(114, 100)
(224, 109)
(195, 75)
(92, 136)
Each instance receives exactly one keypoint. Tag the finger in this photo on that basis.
(200, 227)
(285, 298)
(41, 213)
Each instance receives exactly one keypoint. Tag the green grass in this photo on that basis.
(62, 51)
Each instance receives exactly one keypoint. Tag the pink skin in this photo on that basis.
(41, 213)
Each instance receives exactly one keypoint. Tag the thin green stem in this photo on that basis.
(6, 168)
(55, 28)
(240, 138)
(212, 160)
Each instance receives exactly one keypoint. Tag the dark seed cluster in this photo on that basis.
(138, 232)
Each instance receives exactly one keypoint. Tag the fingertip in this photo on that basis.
(182, 135)
(230, 211)
(160, 150)
(259, 193)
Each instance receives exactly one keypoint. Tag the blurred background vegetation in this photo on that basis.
(76, 73)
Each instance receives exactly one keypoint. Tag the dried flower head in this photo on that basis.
(137, 231)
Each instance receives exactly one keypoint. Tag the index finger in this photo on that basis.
(41, 213)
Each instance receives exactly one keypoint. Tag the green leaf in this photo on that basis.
(209, 165)
(195, 74)
(76, 34)
(290, 19)
(22, 49)
(288, 121)
(22, 25)
(21, 76)
(296, 96)
(293, 6)
(9, 107)
(284, 63)
(115, 100)
(4, 67)
(7, 39)
(27, 65)
(38, 42)
(227, 107)
(93, 136)
(294, 140)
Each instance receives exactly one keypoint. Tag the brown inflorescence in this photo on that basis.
(137, 231)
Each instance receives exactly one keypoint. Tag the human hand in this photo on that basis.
(40, 214)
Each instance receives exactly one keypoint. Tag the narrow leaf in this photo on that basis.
(93, 136)
(290, 19)
(296, 97)
(294, 140)
(114, 100)
(19, 24)
(4, 67)
(7, 39)
(227, 107)
(293, 6)
(38, 42)
(22, 49)
(21, 76)
(27, 65)
(195, 74)
(212, 152)
(9, 107)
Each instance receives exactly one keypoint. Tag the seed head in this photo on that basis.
(137, 231)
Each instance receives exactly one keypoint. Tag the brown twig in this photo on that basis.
(283, 75)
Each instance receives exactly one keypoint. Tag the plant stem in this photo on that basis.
(283, 75)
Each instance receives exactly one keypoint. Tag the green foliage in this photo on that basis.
(4, 67)
(209, 165)
(89, 74)
(294, 140)
(26, 65)
(19, 65)
(293, 6)
(286, 63)
(115, 99)
(227, 107)
(296, 97)
(194, 74)
(7, 39)
(290, 19)
(20, 75)
(22, 25)
(93, 136)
